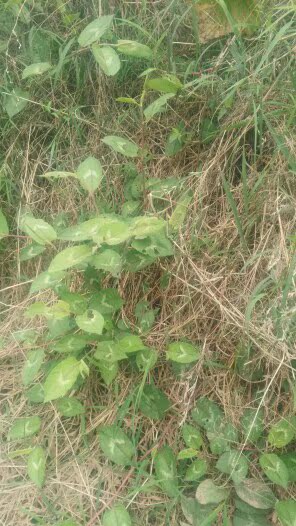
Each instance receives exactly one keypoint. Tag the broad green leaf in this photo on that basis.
(131, 344)
(58, 310)
(168, 84)
(289, 460)
(24, 427)
(61, 378)
(286, 512)
(46, 280)
(39, 308)
(154, 403)
(107, 59)
(95, 30)
(196, 470)
(91, 321)
(129, 208)
(108, 371)
(157, 106)
(244, 519)
(146, 359)
(69, 257)
(59, 327)
(192, 437)
(15, 101)
(256, 494)
(176, 140)
(4, 230)
(275, 469)
(36, 69)
(222, 438)
(32, 366)
(235, 464)
(198, 515)
(77, 303)
(36, 466)
(112, 231)
(208, 493)
(252, 423)
(134, 49)
(188, 453)
(83, 231)
(107, 260)
(144, 226)
(40, 231)
(90, 174)
(154, 246)
(117, 516)
(282, 433)
(145, 316)
(121, 145)
(107, 301)
(179, 214)
(70, 407)
(31, 251)
(35, 394)
(109, 351)
(134, 261)
(207, 414)
(116, 445)
(71, 343)
(182, 352)
(166, 471)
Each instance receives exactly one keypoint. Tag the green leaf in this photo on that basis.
(107, 260)
(144, 226)
(121, 145)
(245, 519)
(46, 280)
(59, 175)
(154, 403)
(188, 453)
(275, 469)
(70, 407)
(112, 231)
(207, 414)
(289, 460)
(222, 438)
(71, 343)
(109, 351)
(252, 423)
(182, 352)
(35, 394)
(58, 310)
(107, 59)
(168, 84)
(179, 214)
(157, 106)
(69, 257)
(40, 231)
(134, 261)
(131, 344)
(116, 516)
(4, 230)
(146, 359)
(196, 470)
(132, 48)
(36, 466)
(36, 69)
(235, 464)
(95, 30)
(256, 494)
(281, 434)
(116, 445)
(154, 246)
(61, 378)
(192, 437)
(107, 301)
(32, 366)
(90, 174)
(166, 471)
(286, 512)
(83, 231)
(39, 308)
(15, 101)
(108, 371)
(77, 303)
(208, 493)
(24, 427)
(91, 321)
(31, 251)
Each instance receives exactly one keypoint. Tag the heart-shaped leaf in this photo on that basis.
(168, 84)
(112, 231)
(36, 69)
(91, 321)
(107, 59)
(31, 251)
(61, 378)
(144, 226)
(157, 106)
(121, 145)
(24, 427)
(107, 260)
(116, 445)
(207, 414)
(182, 352)
(108, 371)
(275, 469)
(196, 470)
(208, 493)
(117, 516)
(154, 403)
(107, 301)
(132, 48)
(286, 512)
(256, 494)
(69, 257)
(90, 174)
(192, 437)
(36, 466)
(95, 30)
(16, 101)
(166, 471)
(223, 438)
(109, 351)
(70, 407)
(131, 344)
(282, 433)
(32, 366)
(235, 464)
(46, 280)
(252, 423)
(40, 231)
(146, 359)
(71, 343)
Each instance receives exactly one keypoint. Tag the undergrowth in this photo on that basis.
(148, 262)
